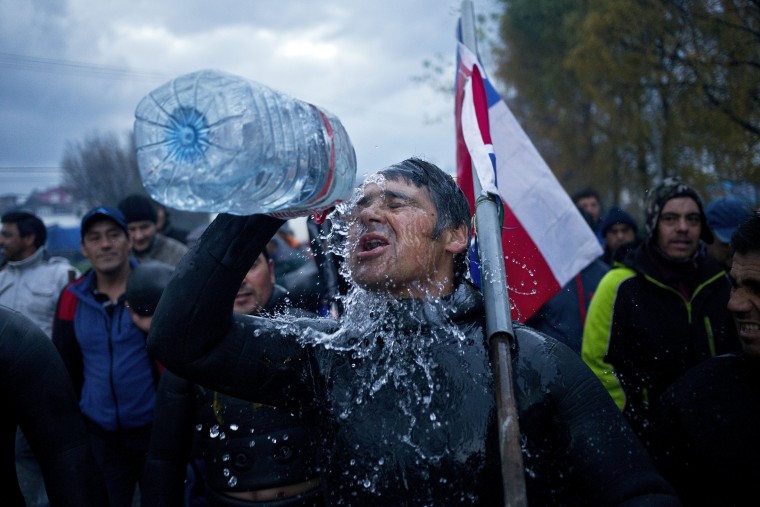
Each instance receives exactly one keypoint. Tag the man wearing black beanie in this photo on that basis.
(147, 242)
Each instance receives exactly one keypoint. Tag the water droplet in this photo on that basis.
(198, 427)
(234, 427)
(213, 432)
(225, 457)
(232, 482)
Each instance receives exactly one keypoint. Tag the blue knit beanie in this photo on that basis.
(615, 216)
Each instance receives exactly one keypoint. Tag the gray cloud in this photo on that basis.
(70, 68)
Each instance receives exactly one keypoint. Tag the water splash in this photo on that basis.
(389, 358)
(392, 349)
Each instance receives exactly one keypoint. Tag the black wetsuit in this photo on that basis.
(241, 445)
(42, 402)
(405, 403)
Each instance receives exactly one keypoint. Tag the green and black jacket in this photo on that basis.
(642, 333)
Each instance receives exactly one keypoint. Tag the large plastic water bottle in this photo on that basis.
(211, 141)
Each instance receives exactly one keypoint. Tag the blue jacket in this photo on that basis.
(106, 358)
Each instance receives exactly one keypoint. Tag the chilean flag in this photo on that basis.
(545, 240)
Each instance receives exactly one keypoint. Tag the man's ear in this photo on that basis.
(457, 241)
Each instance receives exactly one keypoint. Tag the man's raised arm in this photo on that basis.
(195, 311)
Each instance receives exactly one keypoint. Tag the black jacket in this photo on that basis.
(643, 333)
(41, 400)
(401, 390)
(243, 446)
(706, 432)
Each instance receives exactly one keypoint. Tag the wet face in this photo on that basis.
(15, 248)
(744, 303)
(391, 246)
(106, 245)
(256, 288)
(591, 206)
(678, 228)
(619, 234)
(141, 234)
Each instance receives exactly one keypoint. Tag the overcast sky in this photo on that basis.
(70, 68)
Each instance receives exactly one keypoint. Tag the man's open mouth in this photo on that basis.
(371, 242)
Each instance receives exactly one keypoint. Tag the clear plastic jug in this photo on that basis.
(215, 142)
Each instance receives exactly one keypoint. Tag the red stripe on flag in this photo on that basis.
(481, 105)
(530, 281)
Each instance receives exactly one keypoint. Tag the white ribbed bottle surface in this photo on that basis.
(215, 142)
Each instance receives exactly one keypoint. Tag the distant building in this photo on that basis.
(54, 201)
(8, 201)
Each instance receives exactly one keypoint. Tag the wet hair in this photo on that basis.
(451, 206)
(27, 223)
(746, 238)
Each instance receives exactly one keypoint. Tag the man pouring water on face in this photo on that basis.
(400, 388)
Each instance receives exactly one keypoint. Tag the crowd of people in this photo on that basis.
(203, 368)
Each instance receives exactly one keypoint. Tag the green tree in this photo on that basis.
(547, 98)
(618, 93)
